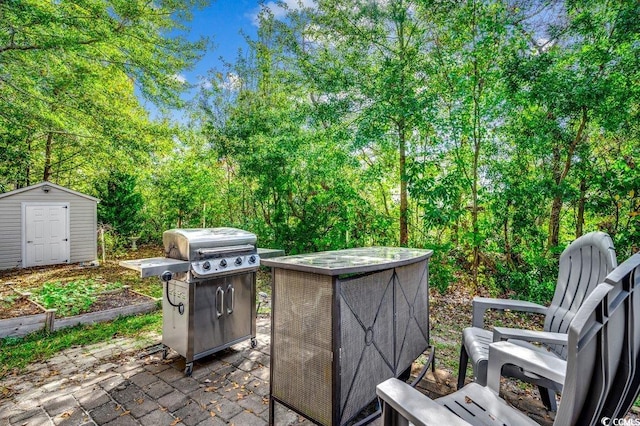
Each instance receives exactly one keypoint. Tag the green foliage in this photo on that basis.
(120, 203)
(8, 300)
(443, 267)
(336, 107)
(69, 72)
(70, 298)
(473, 128)
(115, 245)
(533, 279)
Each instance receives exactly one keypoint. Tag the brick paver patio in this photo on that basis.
(117, 383)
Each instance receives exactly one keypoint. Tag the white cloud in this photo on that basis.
(179, 78)
(205, 83)
(232, 82)
(278, 11)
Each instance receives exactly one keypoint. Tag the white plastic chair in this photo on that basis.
(601, 374)
(583, 265)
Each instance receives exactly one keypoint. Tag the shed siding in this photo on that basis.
(82, 224)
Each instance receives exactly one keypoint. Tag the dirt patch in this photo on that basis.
(13, 304)
(110, 272)
(18, 307)
(449, 314)
(118, 299)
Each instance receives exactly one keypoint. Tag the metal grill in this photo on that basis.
(209, 289)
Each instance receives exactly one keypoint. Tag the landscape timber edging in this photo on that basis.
(21, 326)
(106, 315)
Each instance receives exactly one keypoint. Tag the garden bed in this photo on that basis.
(18, 314)
(21, 320)
(21, 288)
(28, 279)
(13, 304)
(109, 306)
(54, 297)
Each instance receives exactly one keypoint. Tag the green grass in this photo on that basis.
(447, 356)
(17, 353)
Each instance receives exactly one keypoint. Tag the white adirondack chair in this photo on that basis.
(601, 375)
(583, 265)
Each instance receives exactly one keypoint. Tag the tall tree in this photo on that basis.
(69, 72)
(573, 82)
(364, 60)
(294, 180)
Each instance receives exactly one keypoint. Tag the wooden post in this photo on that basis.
(102, 240)
(49, 320)
(204, 215)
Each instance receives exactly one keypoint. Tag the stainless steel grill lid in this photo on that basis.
(200, 243)
(201, 253)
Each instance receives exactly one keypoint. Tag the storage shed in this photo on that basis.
(47, 224)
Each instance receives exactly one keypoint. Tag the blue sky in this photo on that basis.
(222, 21)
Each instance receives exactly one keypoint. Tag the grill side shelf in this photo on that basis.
(155, 266)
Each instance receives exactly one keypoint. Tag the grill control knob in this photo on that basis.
(238, 261)
(223, 263)
(252, 259)
(206, 265)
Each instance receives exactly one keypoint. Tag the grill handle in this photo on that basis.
(219, 302)
(231, 300)
(233, 249)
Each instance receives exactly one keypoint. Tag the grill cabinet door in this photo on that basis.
(223, 311)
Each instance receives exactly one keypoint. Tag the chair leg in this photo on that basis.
(548, 398)
(462, 369)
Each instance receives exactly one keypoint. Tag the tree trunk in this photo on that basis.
(47, 157)
(505, 230)
(28, 167)
(554, 221)
(581, 203)
(404, 234)
(556, 204)
(559, 176)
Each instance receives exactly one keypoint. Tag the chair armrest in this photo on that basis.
(536, 336)
(400, 399)
(501, 353)
(481, 304)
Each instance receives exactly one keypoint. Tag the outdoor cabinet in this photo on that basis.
(343, 322)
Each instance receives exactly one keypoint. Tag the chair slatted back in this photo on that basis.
(627, 379)
(583, 265)
(595, 341)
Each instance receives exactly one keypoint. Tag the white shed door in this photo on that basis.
(46, 233)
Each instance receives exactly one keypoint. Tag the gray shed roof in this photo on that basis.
(53, 185)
